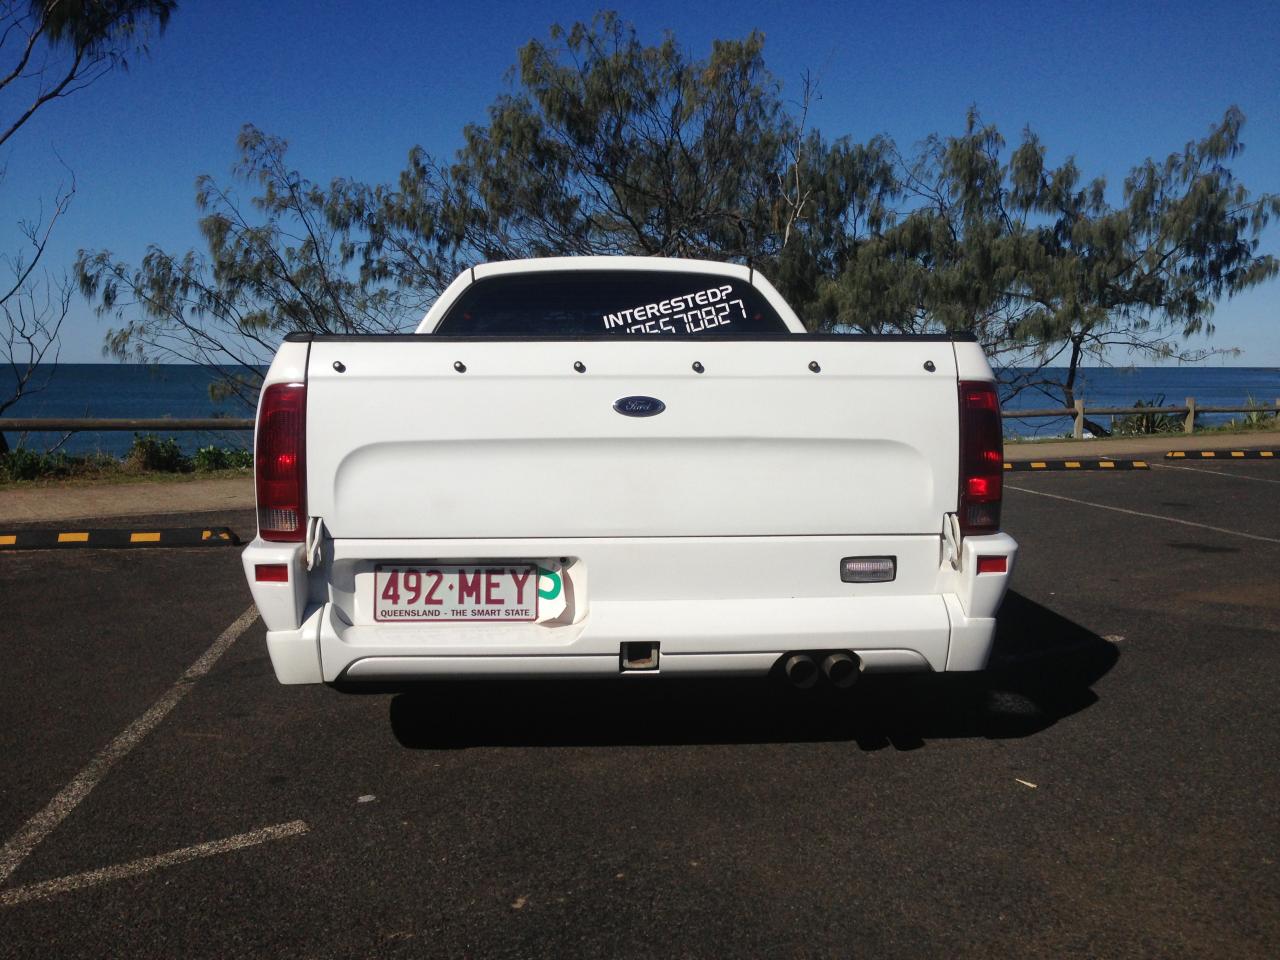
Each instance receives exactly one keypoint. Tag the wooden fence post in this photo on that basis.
(1189, 425)
(1078, 430)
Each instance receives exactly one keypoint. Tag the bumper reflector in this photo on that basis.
(868, 569)
(271, 572)
(993, 564)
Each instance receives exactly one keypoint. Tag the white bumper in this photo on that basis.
(950, 625)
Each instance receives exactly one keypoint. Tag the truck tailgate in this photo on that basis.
(401, 444)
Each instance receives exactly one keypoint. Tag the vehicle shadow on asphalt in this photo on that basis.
(1042, 669)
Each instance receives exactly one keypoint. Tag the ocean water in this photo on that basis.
(1123, 387)
(180, 390)
(127, 390)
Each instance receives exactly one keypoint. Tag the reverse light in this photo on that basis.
(981, 457)
(279, 464)
(868, 569)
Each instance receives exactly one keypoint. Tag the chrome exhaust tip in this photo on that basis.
(800, 670)
(841, 669)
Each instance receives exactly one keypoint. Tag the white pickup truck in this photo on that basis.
(604, 466)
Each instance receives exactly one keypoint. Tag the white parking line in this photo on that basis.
(1139, 513)
(69, 797)
(1216, 473)
(121, 871)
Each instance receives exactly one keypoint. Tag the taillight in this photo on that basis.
(279, 572)
(981, 457)
(279, 465)
(993, 564)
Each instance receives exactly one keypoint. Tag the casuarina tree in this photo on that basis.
(608, 145)
(49, 51)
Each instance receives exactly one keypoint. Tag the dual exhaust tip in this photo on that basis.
(840, 667)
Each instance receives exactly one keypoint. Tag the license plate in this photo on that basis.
(456, 592)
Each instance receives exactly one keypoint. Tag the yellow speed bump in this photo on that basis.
(43, 539)
(1050, 465)
(1220, 454)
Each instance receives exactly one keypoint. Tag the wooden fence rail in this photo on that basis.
(1188, 412)
(77, 424)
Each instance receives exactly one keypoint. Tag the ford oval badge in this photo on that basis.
(639, 406)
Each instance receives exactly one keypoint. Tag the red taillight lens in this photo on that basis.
(981, 457)
(993, 564)
(271, 572)
(279, 462)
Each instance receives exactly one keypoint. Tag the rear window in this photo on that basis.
(610, 303)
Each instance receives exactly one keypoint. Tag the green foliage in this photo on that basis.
(90, 27)
(152, 453)
(1136, 424)
(148, 454)
(23, 464)
(50, 49)
(608, 145)
(1258, 419)
(222, 458)
(229, 308)
(1039, 264)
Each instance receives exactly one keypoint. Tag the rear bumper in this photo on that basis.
(952, 627)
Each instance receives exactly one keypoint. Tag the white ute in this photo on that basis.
(596, 466)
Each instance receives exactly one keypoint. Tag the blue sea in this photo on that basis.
(127, 390)
(180, 390)
(1167, 386)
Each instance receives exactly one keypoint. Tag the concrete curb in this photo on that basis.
(1144, 447)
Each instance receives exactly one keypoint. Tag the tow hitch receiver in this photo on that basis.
(639, 656)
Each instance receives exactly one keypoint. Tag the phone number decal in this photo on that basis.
(687, 313)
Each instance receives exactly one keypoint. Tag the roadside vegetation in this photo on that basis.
(149, 457)
(1168, 424)
(1148, 421)
(1152, 422)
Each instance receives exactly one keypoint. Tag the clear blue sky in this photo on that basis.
(353, 91)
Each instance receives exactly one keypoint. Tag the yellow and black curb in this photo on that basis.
(1222, 455)
(64, 539)
(1045, 465)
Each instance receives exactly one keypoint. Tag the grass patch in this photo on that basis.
(1244, 426)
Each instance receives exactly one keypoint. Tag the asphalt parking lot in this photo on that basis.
(1107, 789)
